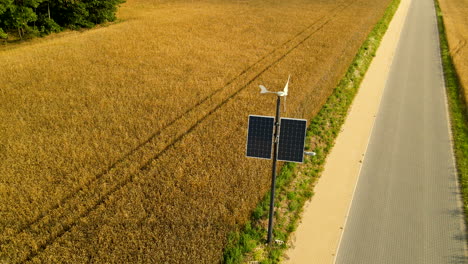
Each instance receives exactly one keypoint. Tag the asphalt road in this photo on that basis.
(406, 207)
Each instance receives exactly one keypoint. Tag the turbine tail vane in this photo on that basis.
(263, 89)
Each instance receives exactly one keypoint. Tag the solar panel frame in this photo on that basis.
(252, 149)
(292, 138)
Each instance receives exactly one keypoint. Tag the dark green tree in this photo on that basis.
(102, 11)
(32, 17)
(5, 5)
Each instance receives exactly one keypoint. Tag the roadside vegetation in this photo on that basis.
(295, 182)
(457, 107)
(126, 144)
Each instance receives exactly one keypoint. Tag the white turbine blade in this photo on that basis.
(263, 89)
(285, 90)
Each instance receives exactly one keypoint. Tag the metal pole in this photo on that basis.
(273, 171)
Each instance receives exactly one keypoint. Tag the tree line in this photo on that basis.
(41, 17)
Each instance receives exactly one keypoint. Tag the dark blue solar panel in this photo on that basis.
(260, 136)
(292, 139)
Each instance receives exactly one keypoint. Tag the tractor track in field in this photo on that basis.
(460, 45)
(63, 216)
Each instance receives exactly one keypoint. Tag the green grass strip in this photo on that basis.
(295, 182)
(457, 109)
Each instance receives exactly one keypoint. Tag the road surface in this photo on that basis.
(406, 207)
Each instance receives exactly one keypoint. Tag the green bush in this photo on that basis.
(3, 35)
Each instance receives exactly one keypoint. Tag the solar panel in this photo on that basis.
(260, 136)
(292, 139)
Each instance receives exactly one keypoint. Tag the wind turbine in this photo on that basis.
(264, 90)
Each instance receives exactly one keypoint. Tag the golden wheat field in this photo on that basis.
(125, 143)
(455, 13)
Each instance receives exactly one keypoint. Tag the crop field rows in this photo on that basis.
(133, 196)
